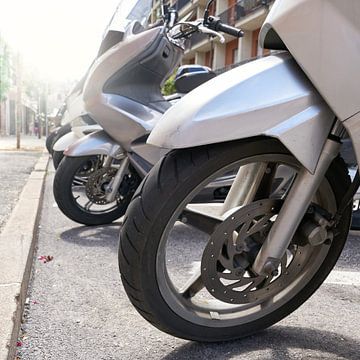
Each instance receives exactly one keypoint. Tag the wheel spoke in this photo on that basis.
(193, 286)
(80, 181)
(201, 221)
(88, 205)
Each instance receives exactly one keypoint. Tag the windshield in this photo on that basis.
(129, 11)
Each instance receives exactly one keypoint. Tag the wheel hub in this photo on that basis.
(231, 250)
(97, 184)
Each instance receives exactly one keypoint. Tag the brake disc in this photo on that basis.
(97, 184)
(232, 248)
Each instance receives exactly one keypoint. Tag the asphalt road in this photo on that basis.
(78, 308)
(15, 168)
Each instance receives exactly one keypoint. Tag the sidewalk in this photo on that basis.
(77, 307)
(27, 143)
(21, 180)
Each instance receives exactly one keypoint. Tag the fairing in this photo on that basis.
(97, 143)
(324, 38)
(73, 136)
(129, 11)
(270, 97)
(114, 112)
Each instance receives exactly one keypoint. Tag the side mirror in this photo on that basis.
(189, 77)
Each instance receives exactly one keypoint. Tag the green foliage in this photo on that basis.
(169, 86)
(4, 70)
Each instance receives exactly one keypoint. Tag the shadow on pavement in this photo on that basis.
(94, 236)
(278, 343)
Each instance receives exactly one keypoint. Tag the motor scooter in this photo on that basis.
(76, 123)
(122, 93)
(219, 271)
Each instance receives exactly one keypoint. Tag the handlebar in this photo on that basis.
(216, 24)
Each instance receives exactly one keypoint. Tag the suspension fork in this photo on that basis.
(292, 212)
(113, 187)
(245, 186)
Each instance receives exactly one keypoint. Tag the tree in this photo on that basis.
(4, 69)
(169, 87)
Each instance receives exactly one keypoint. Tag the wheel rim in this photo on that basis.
(180, 262)
(89, 185)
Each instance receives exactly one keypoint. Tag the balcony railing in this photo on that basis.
(232, 66)
(195, 39)
(242, 9)
(181, 3)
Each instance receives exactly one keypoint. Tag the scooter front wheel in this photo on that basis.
(57, 157)
(80, 190)
(186, 266)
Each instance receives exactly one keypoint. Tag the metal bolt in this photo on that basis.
(275, 273)
(270, 268)
(239, 248)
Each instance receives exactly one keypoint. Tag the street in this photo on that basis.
(77, 308)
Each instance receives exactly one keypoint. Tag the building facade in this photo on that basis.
(9, 112)
(248, 15)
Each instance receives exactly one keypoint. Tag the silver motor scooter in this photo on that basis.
(76, 122)
(212, 273)
(99, 174)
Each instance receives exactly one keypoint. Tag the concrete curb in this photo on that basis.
(17, 244)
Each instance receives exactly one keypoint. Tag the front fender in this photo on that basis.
(97, 143)
(65, 141)
(268, 97)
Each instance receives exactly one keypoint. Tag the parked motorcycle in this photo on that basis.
(51, 138)
(76, 123)
(73, 109)
(99, 174)
(220, 271)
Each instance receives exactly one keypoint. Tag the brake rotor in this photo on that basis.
(231, 250)
(97, 184)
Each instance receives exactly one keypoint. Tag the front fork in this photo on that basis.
(113, 188)
(245, 187)
(292, 212)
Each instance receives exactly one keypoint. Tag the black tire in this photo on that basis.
(50, 141)
(153, 204)
(57, 157)
(62, 189)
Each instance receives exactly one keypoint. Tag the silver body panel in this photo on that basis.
(352, 126)
(324, 38)
(270, 97)
(74, 108)
(97, 143)
(121, 117)
(72, 137)
(152, 154)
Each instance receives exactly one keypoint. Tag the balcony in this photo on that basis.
(195, 39)
(181, 3)
(242, 9)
